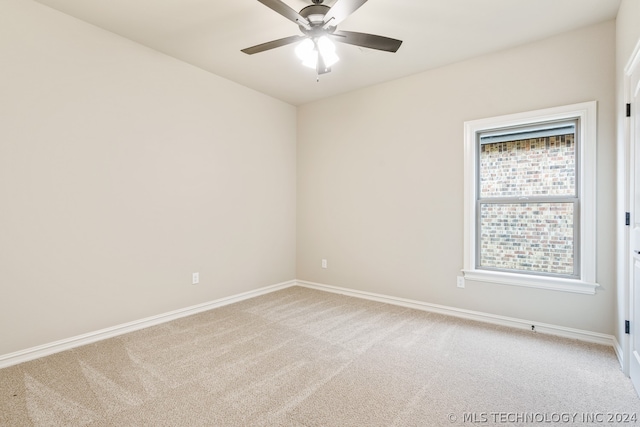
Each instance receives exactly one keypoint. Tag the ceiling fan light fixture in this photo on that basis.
(328, 51)
(308, 52)
(311, 61)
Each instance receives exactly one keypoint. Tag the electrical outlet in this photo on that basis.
(460, 281)
(195, 278)
(324, 263)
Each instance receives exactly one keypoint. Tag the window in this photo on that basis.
(530, 199)
(527, 200)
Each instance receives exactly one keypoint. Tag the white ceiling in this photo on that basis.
(210, 33)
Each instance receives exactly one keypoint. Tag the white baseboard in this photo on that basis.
(620, 354)
(91, 337)
(80, 340)
(578, 334)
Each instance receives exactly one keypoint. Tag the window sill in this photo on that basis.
(540, 282)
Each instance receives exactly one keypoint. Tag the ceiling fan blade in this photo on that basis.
(321, 67)
(272, 44)
(341, 10)
(287, 12)
(370, 41)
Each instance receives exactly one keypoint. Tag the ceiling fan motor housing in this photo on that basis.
(315, 15)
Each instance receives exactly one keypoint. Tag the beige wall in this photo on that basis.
(122, 171)
(380, 177)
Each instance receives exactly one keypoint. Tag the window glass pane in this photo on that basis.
(527, 236)
(544, 166)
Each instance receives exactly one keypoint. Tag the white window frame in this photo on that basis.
(587, 123)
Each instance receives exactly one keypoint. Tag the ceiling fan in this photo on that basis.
(318, 24)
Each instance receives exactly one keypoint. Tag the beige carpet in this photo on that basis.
(300, 357)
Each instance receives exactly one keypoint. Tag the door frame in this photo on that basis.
(626, 190)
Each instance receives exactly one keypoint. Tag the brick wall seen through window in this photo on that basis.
(527, 202)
